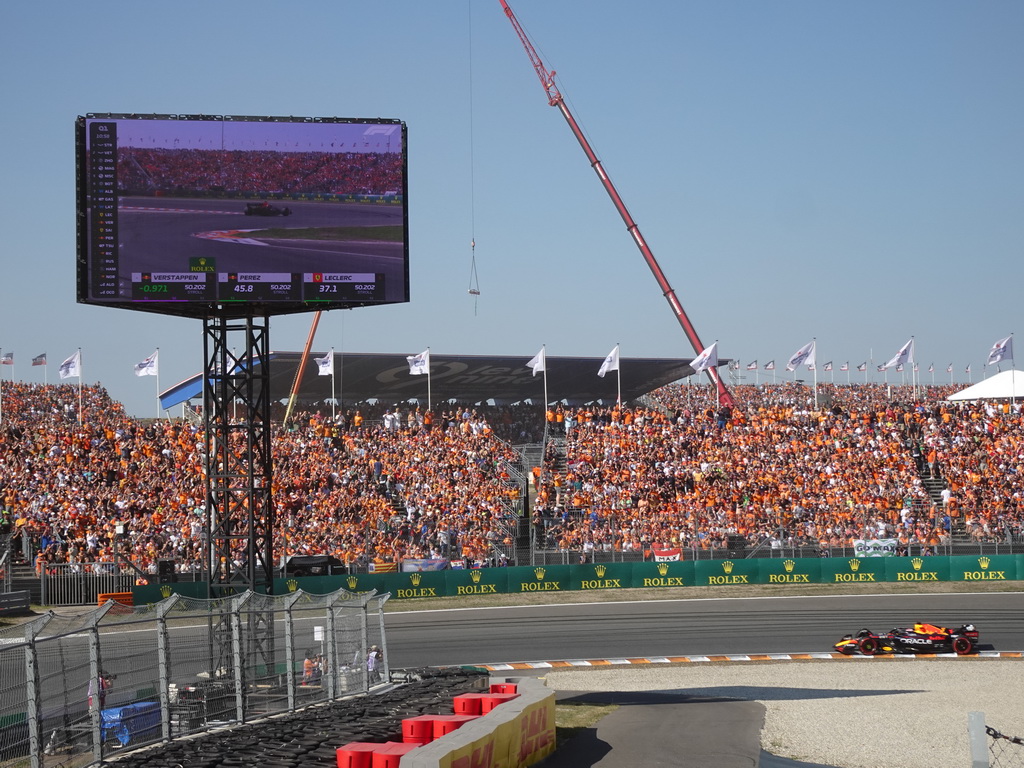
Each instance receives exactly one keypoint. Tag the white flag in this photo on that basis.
(827, 366)
(419, 364)
(770, 365)
(706, 359)
(149, 366)
(752, 366)
(72, 366)
(804, 355)
(538, 363)
(325, 364)
(905, 355)
(611, 363)
(845, 366)
(1001, 350)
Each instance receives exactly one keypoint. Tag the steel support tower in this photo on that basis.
(236, 410)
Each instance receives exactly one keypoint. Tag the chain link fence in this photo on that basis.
(1004, 751)
(74, 690)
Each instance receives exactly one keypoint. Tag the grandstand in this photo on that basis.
(494, 485)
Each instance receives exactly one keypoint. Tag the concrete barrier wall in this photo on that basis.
(515, 734)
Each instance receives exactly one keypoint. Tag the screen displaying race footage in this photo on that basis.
(204, 216)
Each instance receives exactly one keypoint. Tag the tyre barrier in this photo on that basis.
(310, 738)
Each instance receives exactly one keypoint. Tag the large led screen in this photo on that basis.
(232, 216)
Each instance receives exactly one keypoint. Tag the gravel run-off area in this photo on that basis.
(898, 712)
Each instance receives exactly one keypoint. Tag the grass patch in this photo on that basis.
(390, 234)
(572, 719)
(697, 593)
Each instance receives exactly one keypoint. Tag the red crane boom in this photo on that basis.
(547, 80)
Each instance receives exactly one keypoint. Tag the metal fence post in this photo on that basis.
(236, 643)
(33, 715)
(386, 672)
(96, 672)
(331, 646)
(289, 646)
(364, 646)
(978, 739)
(163, 663)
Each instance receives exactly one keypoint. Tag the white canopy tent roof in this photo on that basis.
(1002, 386)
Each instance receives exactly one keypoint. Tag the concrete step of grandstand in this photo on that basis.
(23, 577)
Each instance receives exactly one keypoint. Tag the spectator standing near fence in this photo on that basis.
(100, 687)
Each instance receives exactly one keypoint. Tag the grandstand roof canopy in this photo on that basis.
(1003, 386)
(464, 378)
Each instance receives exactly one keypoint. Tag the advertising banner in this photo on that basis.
(983, 568)
(661, 575)
(406, 586)
(796, 570)
(541, 578)
(601, 576)
(852, 570)
(476, 581)
(717, 573)
(875, 547)
(917, 569)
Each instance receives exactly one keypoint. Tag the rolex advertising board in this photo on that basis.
(540, 578)
(601, 576)
(791, 570)
(852, 570)
(917, 569)
(417, 585)
(476, 581)
(717, 573)
(983, 568)
(677, 573)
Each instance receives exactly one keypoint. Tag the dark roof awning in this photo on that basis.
(464, 378)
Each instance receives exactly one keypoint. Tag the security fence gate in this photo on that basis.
(80, 688)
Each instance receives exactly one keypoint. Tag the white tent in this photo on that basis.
(1002, 386)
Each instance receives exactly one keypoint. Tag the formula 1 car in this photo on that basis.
(920, 638)
(266, 209)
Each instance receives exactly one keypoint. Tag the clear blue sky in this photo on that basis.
(846, 171)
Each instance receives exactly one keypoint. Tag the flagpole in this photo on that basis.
(543, 349)
(618, 379)
(814, 340)
(334, 401)
(157, 358)
(79, 385)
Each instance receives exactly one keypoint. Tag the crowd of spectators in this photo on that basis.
(779, 470)
(81, 481)
(81, 492)
(251, 171)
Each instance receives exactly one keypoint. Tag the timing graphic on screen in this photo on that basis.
(191, 216)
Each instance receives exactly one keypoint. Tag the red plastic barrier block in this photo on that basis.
(469, 703)
(504, 688)
(389, 754)
(445, 724)
(419, 729)
(356, 754)
(489, 701)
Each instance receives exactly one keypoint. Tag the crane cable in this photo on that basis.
(474, 281)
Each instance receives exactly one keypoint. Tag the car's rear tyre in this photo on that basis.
(869, 646)
(962, 646)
